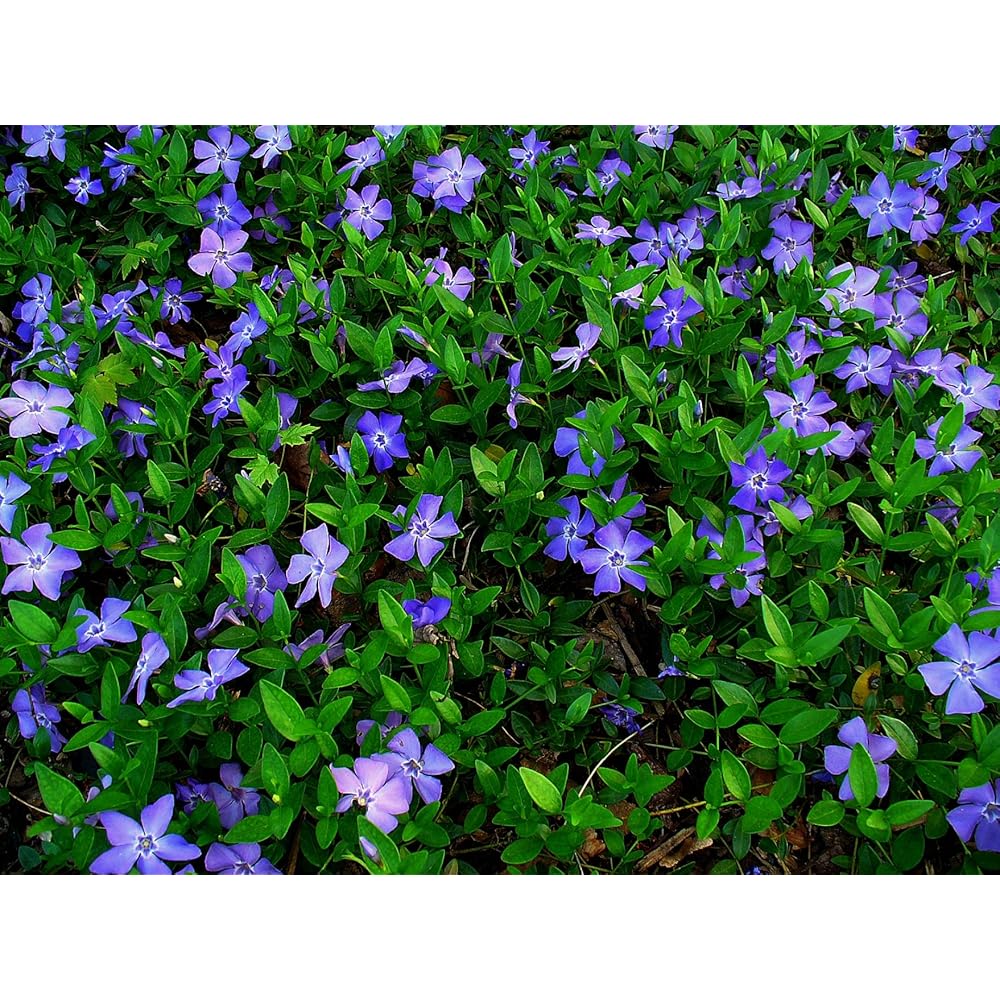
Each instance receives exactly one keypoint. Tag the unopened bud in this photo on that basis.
(178, 582)
(276, 799)
(173, 539)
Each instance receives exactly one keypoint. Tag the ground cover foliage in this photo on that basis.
(450, 499)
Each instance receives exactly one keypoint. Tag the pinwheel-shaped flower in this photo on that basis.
(144, 844)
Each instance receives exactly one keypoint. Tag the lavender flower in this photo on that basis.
(12, 488)
(68, 439)
(656, 136)
(792, 240)
(382, 437)
(621, 716)
(973, 220)
(653, 246)
(220, 255)
(971, 667)
(223, 151)
(108, 627)
(619, 550)
(668, 322)
(746, 579)
(904, 137)
(957, 455)
(17, 186)
(370, 787)
(264, 579)
(601, 230)
(223, 210)
(238, 859)
(528, 153)
(837, 759)
(927, 220)
(978, 815)
(429, 612)
(422, 536)
(276, 141)
(515, 396)
(857, 291)
(362, 155)
(885, 207)
(199, 685)
(39, 562)
(757, 480)
(491, 349)
(406, 758)
(174, 305)
(901, 313)
(35, 712)
(31, 409)
(225, 399)
(973, 388)
(801, 411)
(609, 172)
(319, 568)
(131, 443)
(366, 212)
(231, 798)
(943, 161)
(246, 328)
(45, 139)
(872, 367)
(396, 378)
(587, 335)
(37, 292)
(734, 278)
(153, 655)
(568, 533)
(84, 187)
(567, 445)
(459, 282)
(452, 180)
(966, 137)
(145, 844)
(333, 647)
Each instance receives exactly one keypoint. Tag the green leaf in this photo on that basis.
(521, 852)
(276, 508)
(908, 811)
(880, 613)
(274, 772)
(397, 622)
(579, 708)
(829, 812)
(866, 522)
(864, 780)
(284, 712)
(806, 725)
(59, 794)
(501, 259)
(775, 622)
(75, 539)
(902, 734)
(736, 776)
(482, 723)
(543, 793)
(33, 623)
(159, 485)
(760, 813)
(395, 693)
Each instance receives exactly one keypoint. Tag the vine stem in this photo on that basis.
(597, 766)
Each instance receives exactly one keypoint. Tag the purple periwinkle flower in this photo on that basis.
(937, 176)
(362, 155)
(757, 480)
(319, 567)
(83, 187)
(131, 443)
(568, 533)
(653, 246)
(275, 140)
(600, 229)
(957, 455)
(966, 137)
(421, 537)
(734, 278)
(667, 323)
(31, 410)
(977, 815)
(38, 561)
(397, 377)
(225, 399)
(971, 667)
(370, 787)
(34, 712)
(927, 220)
(223, 210)
(493, 348)
(871, 367)
(221, 256)
(17, 186)
(231, 798)
(45, 139)
(802, 410)
(452, 181)
(790, 242)
(973, 388)
(383, 439)
(238, 859)
(264, 579)
(421, 765)
(901, 313)
(429, 612)
(587, 335)
(621, 716)
(515, 397)
(174, 301)
(619, 550)
(144, 844)
(37, 292)
(108, 627)
(201, 685)
(333, 646)
(153, 654)
(609, 172)
(567, 445)
(12, 488)
(459, 282)
(837, 759)
(885, 207)
(68, 439)
(857, 291)
(366, 211)
(656, 136)
(223, 151)
(904, 137)
(528, 153)
(975, 219)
